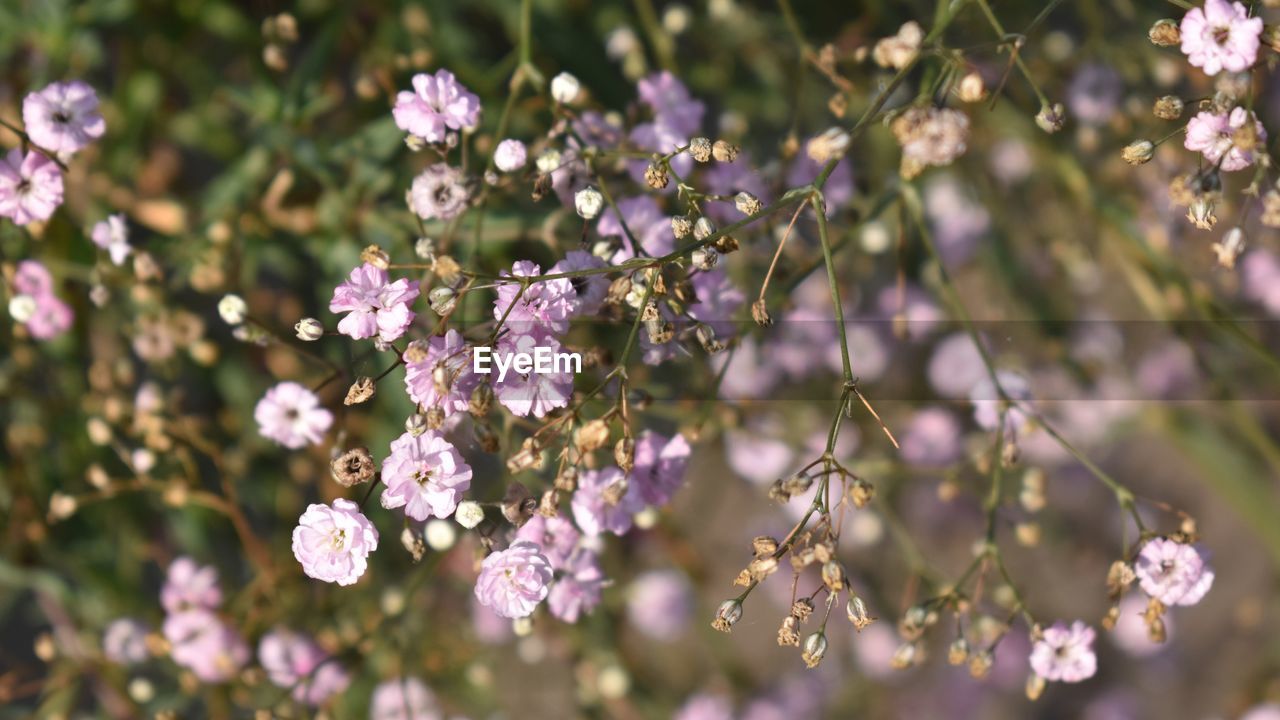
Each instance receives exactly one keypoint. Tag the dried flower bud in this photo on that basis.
(425, 249)
(565, 88)
(469, 514)
(655, 176)
(481, 400)
(376, 257)
(681, 226)
(529, 457)
(789, 633)
(760, 313)
(724, 151)
(802, 609)
(861, 493)
(703, 228)
(1035, 687)
(958, 652)
(764, 546)
(704, 258)
(728, 614)
(592, 436)
(442, 299)
(352, 467)
(700, 149)
(624, 453)
(1138, 152)
(856, 610)
(549, 505)
(412, 542)
(903, 657)
(308, 329)
(972, 89)
(980, 664)
(61, 506)
(360, 391)
(747, 203)
(232, 309)
(518, 505)
(1051, 118)
(831, 144)
(588, 202)
(435, 417)
(815, 647)
(1165, 33)
(1201, 214)
(833, 576)
(725, 244)
(1119, 577)
(1168, 107)
(1032, 494)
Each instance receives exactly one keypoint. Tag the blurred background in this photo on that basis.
(255, 160)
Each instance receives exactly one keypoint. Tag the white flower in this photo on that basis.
(510, 155)
(588, 202)
(565, 88)
(232, 308)
(22, 308)
(469, 514)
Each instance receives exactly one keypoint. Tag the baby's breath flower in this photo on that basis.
(308, 329)
(815, 647)
(548, 162)
(1168, 107)
(899, 50)
(1138, 152)
(565, 88)
(22, 308)
(1051, 118)
(728, 614)
(972, 89)
(724, 151)
(469, 514)
(746, 203)
(232, 309)
(700, 149)
(588, 202)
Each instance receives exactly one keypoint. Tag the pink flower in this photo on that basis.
(718, 301)
(513, 581)
(202, 643)
(557, 537)
(1065, 654)
(438, 103)
(112, 235)
(63, 117)
(425, 475)
(188, 585)
(295, 662)
(445, 378)
(1173, 573)
(533, 393)
(375, 305)
(439, 191)
(659, 604)
(510, 155)
(51, 318)
(987, 401)
(590, 291)
(596, 506)
(32, 278)
(544, 307)
(577, 587)
(333, 543)
(1130, 632)
(659, 466)
(1220, 36)
(1211, 134)
(932, 438)
(30, 187)
(404, 699)
(291, 415)
(125, 642)
(706, 706)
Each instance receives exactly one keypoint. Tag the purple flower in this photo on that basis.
(956, 366)
(294, 661)
(438, 103)
(932, 438)
(439, 191)
(1221, 36)
(333, 543)
(532, 393)
(125, 642)
(916, 307)
(718, 300)
(596, 506)
(202, 643)
(543, 307)
(291, 415)
(987, 401)
(375, 306)
(577, 587)
(112, 235)
(30, 187)
(1211, 134)
(1173, 573)
(63, 117)
(671, 103)
(404, 699)
(445, 378)
(188, 585)
(513, 581)
(1065, 654)
(1094, 93)
(590, 291)
(659, 604)
(557, 537)
(425, 475)
(659, 466)
(755, 455)
(647, 223)
(1260, 279)
(705, 706)
(956, 220)
(510, 155)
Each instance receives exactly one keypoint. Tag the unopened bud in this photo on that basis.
(232, 309)
(727, 615)
(1138, 152)
(746, 203)
(815, 647)
(1165, 33)
(442, 299)
(1051, 118)
(308, 329)
(724, 151)
(700, 149)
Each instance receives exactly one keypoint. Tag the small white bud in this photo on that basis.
(440, 535)
(22, 308)
(565, 88)
(469, 514)
(548, 161)
(703, 228)
(232, 308)
(309, 329)
(588, 202)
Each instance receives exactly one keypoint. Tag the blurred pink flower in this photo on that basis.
(557, 537)
(659, 604)
(705, 706)
(51, 318)
(375, 305)
(452, 355)
(1221, 36)
(438, 103)
(510, 155)
(660, 464)
(1131, 634)
(987, 401)
(593, 511)
(63, 117)
(201, 642)
(112, 235)
(439, 191)
(30, 187)
(125, 641)
(1260, 279)
(718, 301)
(404, 699)
(291, 415)
(296, 662)
(1212, 135)
(513, 581)
(188, 585)
(1065, 654)
(425, 475)
(671, 103)
(1173, 573)
(577, 587)
(648, 224)
(932, 438)
(333, 543)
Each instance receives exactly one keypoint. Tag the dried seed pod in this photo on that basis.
(624, 453)
(360, 391)
(700, 148)
(724, 151)
(375, 256)
(352, 467)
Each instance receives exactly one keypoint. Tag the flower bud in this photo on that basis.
(1228, 249)
(704, 258)
(232, 309)
(308, 329)
(588, 202)
(1165, 33)
(442, 299)
(360, 391)
(352, 467)
(655, 176)
(728, 614)
(724, 151)
(856, 610)
(700, 149)
(1051, 118)
(22, 308)
(1169, 107)
(747, 203)
(415, 424)
(376, 256)
(61, 506)
(972, 89)
(624, 453)
(681, 226)
(789, 633)
(760, 313)
(703, 228)
(425, 249)
(469, 514)
(815, 647)
(565, 88)
(1035, 687)
(958, 652)
(1200, 213)
(1138, 152)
